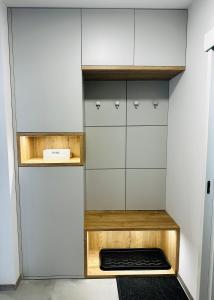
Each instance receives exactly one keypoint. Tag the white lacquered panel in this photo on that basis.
(107, 36)
(47, 69)
(145, 189)
(147, 102)
(105, 103)
(52, 217)
(160, 37)
(105, 147)
(105, 189)
(146, 147)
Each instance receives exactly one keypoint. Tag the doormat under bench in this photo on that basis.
(133, 259)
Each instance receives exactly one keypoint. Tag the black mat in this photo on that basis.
(150, 288)
(133, 259)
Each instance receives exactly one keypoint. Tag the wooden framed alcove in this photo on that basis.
(31, 146)
(130, 229)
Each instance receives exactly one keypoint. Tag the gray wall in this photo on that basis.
(9, 258)
(187, 145)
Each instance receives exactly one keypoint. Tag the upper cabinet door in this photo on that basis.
(107, 36)
(47, 69)
(160, 37)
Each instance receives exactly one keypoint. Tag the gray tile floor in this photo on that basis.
(64, 289)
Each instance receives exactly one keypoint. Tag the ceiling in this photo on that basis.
(101, 3)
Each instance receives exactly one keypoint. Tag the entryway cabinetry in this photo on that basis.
(121, 174)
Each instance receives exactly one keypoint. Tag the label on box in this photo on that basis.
(56, 154)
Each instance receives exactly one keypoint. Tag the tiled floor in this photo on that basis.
(65, 289)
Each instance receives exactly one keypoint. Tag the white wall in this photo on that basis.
(187, 145)
(9, 258)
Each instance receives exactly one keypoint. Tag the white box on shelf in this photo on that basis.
(57, 154)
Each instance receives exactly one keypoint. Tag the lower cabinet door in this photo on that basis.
(105, 189)
(145, 189)
(52, 208)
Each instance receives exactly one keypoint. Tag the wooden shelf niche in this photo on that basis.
(31, 146)
(129, 229)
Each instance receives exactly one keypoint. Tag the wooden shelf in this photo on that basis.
(41, 161)
(130, 72)
(130, 229)
(129, 220)
(31, 146)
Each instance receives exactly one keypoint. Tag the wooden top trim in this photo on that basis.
(128, 220)
(50, 134)
(88, 68)
(131, 72)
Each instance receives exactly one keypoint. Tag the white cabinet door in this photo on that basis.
(105, 147)
(111, 96)
(147, 102)
(146, 147)
(105, 189)
(107, 36)
(52, 217)
(47, 69)
(160, 37)
(145, 189)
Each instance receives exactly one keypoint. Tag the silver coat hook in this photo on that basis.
(98, 104)
(117, 104)
(155, 104)
(136, 104)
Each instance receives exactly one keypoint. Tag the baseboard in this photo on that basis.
(185, 288)
(10, 287)
(52, 277)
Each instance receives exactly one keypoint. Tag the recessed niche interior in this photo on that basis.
(163, 239)
(31, 146)
(142, 229)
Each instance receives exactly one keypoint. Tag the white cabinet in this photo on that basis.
(105, 189)
(52, 217)
(145, 189)
(150, 38)
(160, 37)
(105, 147)
(107, 36)
(105, 103)
(146, 147)
(48, 78)
(147, 102)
